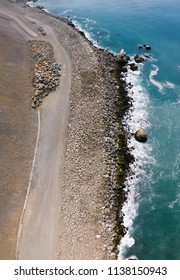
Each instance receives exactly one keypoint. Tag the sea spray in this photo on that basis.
(66, 12)
(87, 34)
(137, 117)
(30, 4)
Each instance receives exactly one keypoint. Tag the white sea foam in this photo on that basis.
(168, 85)
(84, 19)
(87, 34)
(46, 11)
(171, 204)
(88, 20)
(88, 26)
(176, 202)
(33, 5)
(66, 11)
(137, 118)
(30, 4)
(156, 83)
(153, 81)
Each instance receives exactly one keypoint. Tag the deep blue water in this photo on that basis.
(153, 209)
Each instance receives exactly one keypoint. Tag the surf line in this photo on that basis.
(29, 187)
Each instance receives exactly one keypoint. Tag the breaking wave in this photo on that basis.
(138, 117)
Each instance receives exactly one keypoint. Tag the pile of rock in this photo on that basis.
(41, 31)
(47, 71)
(129, 63)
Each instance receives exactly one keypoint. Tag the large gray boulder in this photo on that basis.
(141, 135)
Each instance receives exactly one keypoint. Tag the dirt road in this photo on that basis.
(38, 232)
(37, 235)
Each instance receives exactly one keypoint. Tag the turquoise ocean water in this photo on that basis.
(152, 210)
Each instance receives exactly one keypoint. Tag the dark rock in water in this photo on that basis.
(132, 64)
(144, 47)
(40, 7)
(141, 135)
(148, 47)
(138, 59)
(122, 57)
(71, 24)
(147, 56)
(132, 258)
(133, 67)
(124, 69)
(126, 58)
(82, 33)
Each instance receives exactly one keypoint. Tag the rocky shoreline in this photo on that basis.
(113, 103)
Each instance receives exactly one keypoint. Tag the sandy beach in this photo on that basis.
(58, 167)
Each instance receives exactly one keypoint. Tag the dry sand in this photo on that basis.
(17, 132)
(65, 213)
